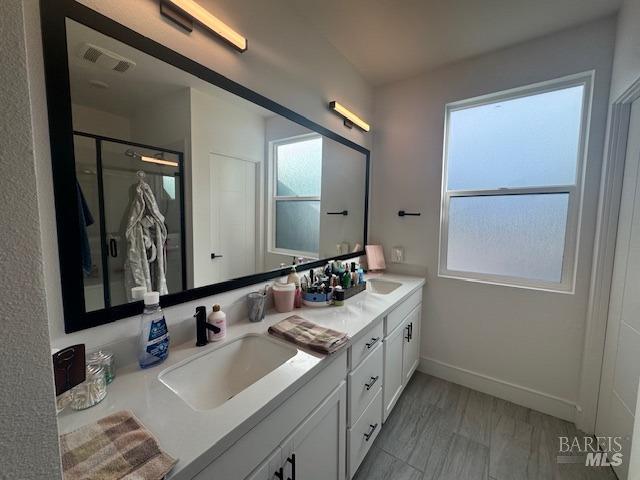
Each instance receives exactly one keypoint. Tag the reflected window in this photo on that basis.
(511, 190)
(297, 182)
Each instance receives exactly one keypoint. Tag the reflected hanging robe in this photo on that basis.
(146, 234)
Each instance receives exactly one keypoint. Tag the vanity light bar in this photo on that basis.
(349, 116)
(185, 12)
(159, 161)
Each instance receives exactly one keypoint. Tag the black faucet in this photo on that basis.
(201, 327)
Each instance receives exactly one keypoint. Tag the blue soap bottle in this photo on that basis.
(153, 345)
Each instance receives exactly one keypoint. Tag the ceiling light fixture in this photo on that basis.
(350, 118)
(186, 12)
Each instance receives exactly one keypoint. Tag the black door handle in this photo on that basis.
(292, 461)
(279, 473)
(113, 247)
(214, 256)
(343, 212)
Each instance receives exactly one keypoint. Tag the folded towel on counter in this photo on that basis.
(114, 447)
(309, 335)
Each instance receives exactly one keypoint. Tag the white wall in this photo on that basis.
(521, 344)
(626, 64)
(29, 438)
(343, 187)
(221, 127)
(91, 120)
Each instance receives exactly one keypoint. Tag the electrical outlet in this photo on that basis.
(397, 255)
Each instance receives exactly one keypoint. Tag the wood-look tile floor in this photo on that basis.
(443, 431)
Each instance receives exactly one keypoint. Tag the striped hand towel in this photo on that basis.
(115, 447)
(309, 335)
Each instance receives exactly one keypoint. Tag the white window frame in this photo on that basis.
(575, 191)
(273, 198)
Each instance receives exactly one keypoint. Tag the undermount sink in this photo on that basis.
(206, 381)
(382, 287)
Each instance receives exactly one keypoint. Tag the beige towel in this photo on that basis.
(309, 335)
(115, 447)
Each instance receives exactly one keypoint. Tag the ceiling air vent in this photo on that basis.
(106, 58)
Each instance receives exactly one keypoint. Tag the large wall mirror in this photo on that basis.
(179, 180)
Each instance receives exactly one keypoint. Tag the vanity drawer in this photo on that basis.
(364, 432)
(366, 344)
(365, 382)
(395, 317)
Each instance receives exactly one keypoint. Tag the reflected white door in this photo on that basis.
(233, 216)
(621, 370)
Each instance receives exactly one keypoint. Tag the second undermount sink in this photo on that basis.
(381, 287)
(208, 380)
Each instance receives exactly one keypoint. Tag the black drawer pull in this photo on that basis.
(292, 461)
(371, 343)
(367, 436)
(372, 382)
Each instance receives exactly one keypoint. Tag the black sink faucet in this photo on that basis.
(202, 325)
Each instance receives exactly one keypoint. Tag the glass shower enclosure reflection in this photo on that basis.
(108, 172)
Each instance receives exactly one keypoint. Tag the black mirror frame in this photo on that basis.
(53, 15)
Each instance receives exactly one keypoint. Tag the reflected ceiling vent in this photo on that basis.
(106, 58)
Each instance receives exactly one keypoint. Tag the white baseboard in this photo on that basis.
(527, 397)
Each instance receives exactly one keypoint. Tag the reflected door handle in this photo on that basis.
(113, 247)
(214, 256)
(343, 212)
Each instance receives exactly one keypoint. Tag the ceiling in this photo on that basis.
(126, 93)
(388, 40)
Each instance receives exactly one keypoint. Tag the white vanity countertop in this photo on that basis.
(197, 438)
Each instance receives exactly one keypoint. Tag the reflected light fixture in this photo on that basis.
(149, 159)
(186, 12)
(350, 118)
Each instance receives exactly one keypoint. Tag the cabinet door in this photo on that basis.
(393, 375)
(316, 449)
(411, 347)
(268, 469)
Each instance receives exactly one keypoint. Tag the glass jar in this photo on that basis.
(104, 358)
(92, 391)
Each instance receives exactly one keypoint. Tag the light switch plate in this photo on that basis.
(397, 255)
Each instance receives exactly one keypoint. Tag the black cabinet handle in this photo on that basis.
(372, 382)
(292, 461)
(214, 256)
(411, 331)
(343, 212)
(367, 436)
(373, 341)
(408, 337)
(279, 473)
(402, 213)
(113, 247)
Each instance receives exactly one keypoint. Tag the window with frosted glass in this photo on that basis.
(296, 199)
(510, 201)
